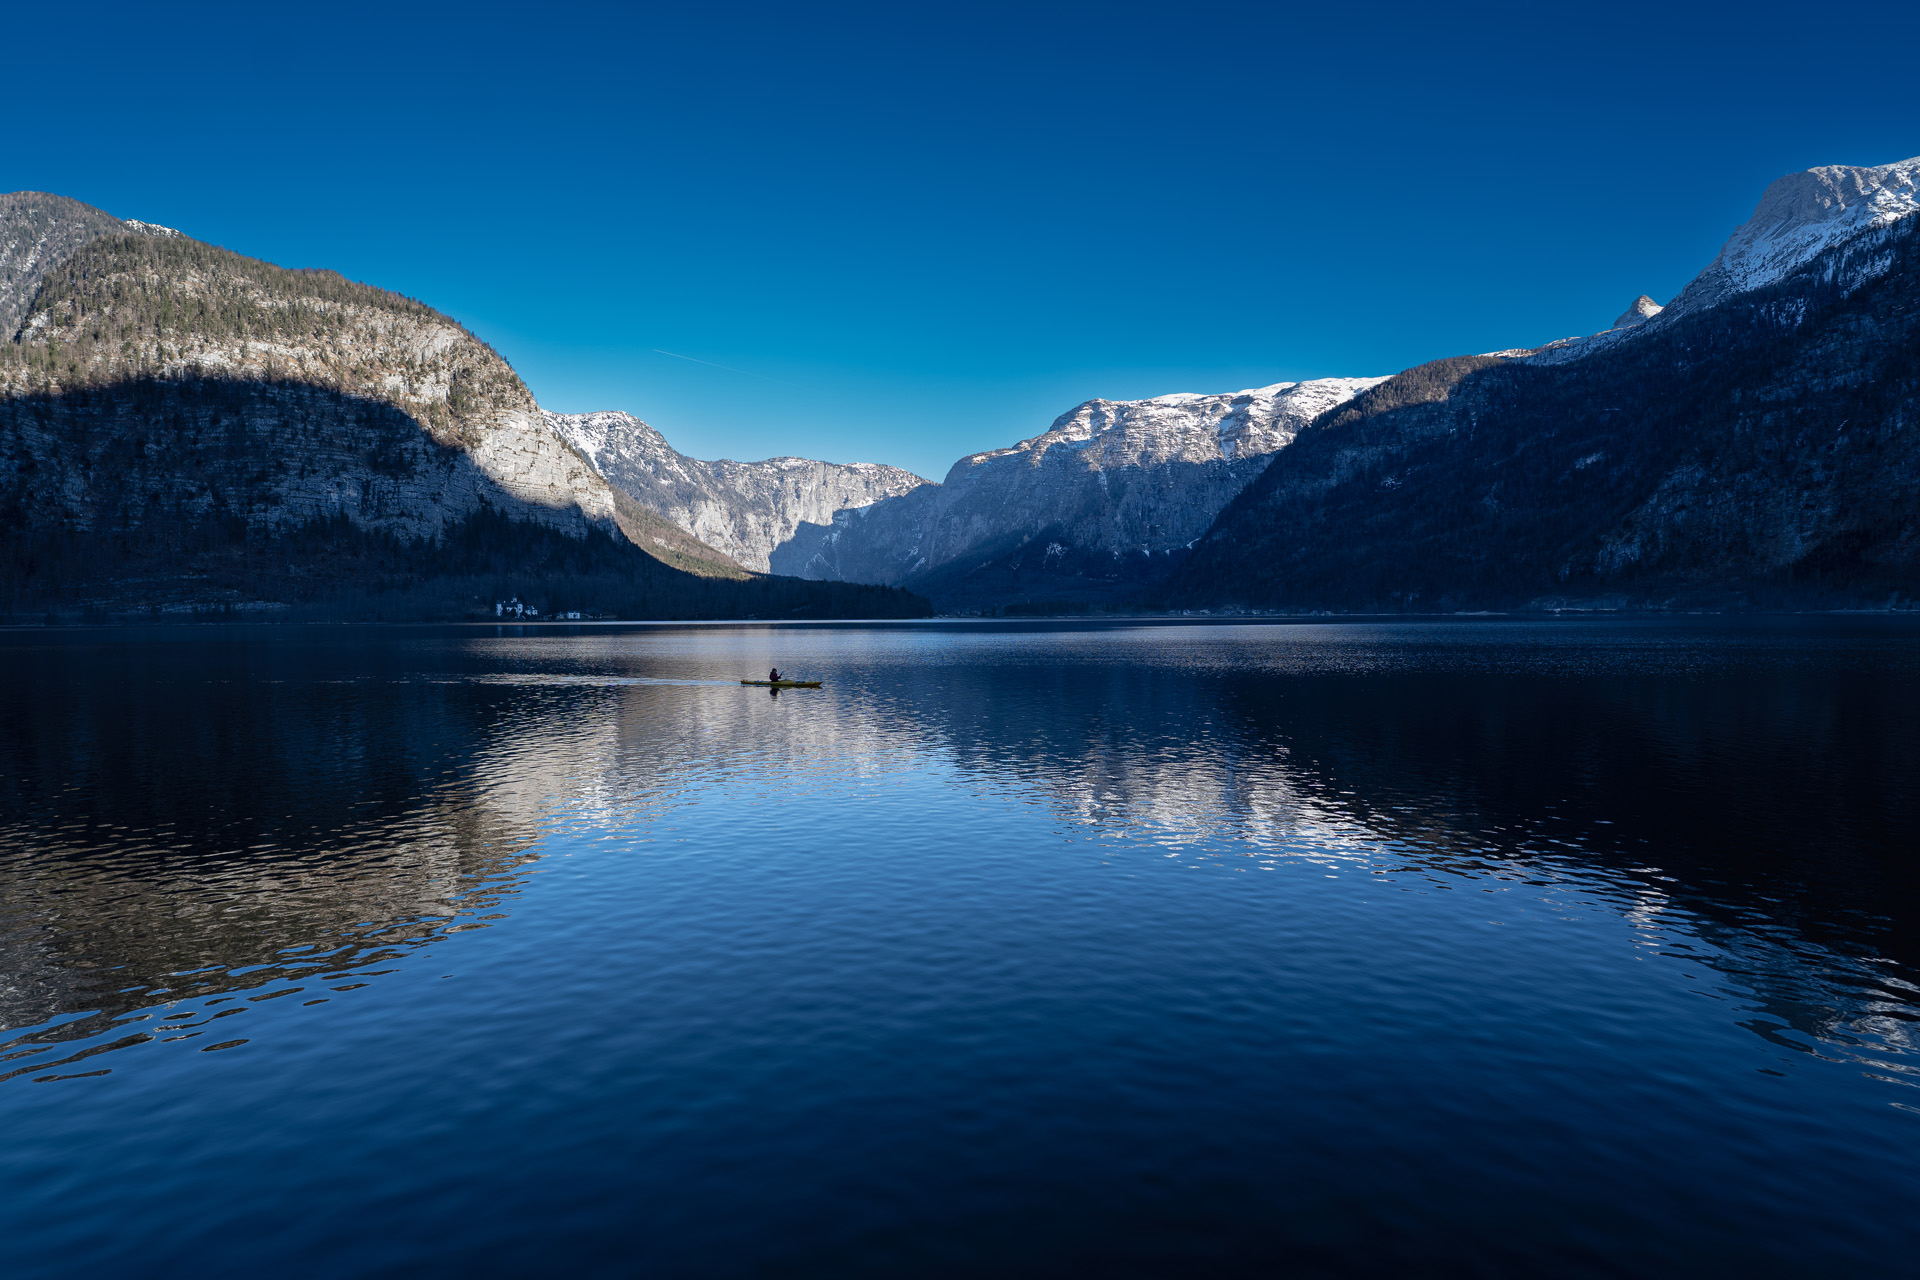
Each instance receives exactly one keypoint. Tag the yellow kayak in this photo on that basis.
(784, 684)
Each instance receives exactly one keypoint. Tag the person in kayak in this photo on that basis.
(773, 676)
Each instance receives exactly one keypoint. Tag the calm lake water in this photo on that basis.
(1501, 948)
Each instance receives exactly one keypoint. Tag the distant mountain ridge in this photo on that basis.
(745, 509)
(1094, 504)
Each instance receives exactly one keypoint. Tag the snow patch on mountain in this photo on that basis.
(1186, 426)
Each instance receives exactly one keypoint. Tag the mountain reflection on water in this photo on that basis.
(201, 828)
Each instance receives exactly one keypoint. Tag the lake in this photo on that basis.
(1476, 947)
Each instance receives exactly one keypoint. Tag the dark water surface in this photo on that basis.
(1470, 948)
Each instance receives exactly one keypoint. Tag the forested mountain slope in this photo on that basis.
(183, 428)
(37, 233)
(1760, 448)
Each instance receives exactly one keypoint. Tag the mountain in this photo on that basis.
(1754, 443)
(1638, 312)
(37, 232)
(1099, 502)
(1800, 219)
(174, 312)
(744, 509)
(183, 428)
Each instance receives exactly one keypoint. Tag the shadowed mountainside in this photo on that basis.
(183, 429)
(1760, 452)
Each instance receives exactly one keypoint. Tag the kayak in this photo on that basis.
(784, 684)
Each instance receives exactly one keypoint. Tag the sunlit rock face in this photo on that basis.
(1642, 310)
(1108, 487)
(745, 509)
(1800, 217)
(152, 377)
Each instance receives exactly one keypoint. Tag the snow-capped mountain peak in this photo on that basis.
(1110, 485)
(1642, 310)
(1800, 216)
(1183, 425)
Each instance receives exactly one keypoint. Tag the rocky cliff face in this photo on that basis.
(1800, 218)
(340, 400)
(745, 509)
(1756, 442)
(1087, 505)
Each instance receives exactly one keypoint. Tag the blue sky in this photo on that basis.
(902, 233)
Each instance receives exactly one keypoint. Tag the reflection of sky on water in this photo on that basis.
(1418, 925)
(415, 781)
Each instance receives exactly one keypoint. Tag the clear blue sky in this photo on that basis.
(913, 231)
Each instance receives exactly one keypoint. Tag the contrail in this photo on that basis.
(710, 364)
